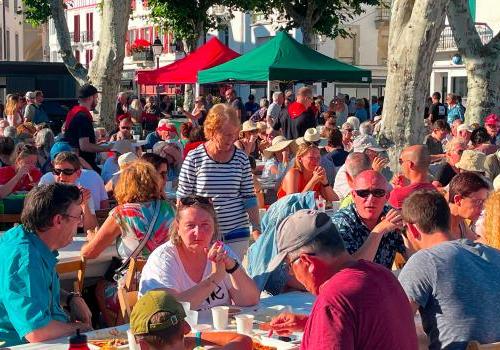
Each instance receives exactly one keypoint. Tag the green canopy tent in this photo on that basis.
(283, 58)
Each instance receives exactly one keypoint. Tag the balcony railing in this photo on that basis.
(81, 37)
(447, 42)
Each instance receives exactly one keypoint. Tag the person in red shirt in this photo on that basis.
(414, 162)
(23, 175)
(360, 305)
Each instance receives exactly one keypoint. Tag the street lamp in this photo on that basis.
(157, 50)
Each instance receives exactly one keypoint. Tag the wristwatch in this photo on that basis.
(234, 268)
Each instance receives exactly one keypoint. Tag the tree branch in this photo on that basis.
(75, 68)
(463, 28)
(494, 44)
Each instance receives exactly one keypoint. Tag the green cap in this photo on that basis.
(150, 304)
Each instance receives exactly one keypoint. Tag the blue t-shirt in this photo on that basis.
(361, 114)
(457, 287)
(29, 286)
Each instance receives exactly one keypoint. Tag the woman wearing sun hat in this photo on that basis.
(278, 156)
(249, 137)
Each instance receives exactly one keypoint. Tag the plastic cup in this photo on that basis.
(192, 318)
(220, 315)
(321, 204)
(186, 305)
(244, 323)
(132, 345)
(137, 137)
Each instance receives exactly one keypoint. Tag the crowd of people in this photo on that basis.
(188, 200)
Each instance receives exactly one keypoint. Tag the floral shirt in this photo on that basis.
(134, 220)
(354, 233)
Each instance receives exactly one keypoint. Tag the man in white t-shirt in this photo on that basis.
(88, 179)
(274, 110)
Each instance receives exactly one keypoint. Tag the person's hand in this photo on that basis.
(319, 175)
(287, 323)
(79, 311)
(217, 255)
(253, 138)
(399, 180)
(86, 195)
(391, 222)
(24, 169)
(379, 163)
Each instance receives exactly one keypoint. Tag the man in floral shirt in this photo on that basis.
(368, 227)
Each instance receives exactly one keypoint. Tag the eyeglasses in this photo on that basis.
(80, 217)
(191, 200)
(378, 193)
(125, 127)
(291, 262)
(348, 130)
(68, 172)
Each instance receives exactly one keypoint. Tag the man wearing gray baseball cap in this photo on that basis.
(359, 305)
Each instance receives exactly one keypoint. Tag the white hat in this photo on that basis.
(312, 135)
(472, 160)
(126, 158)
(364, 142)
(354, 121)
(278, 144)
(249, 126)
(30, 95)
(464, 127)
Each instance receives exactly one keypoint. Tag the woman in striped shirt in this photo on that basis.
(220, 171)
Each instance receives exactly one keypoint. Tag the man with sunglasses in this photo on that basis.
(359, 305)
(414, 162)
(369, 227)
(454, 283)
(125, 130)
(31, 299)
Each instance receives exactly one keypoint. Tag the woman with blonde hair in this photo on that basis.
(195, 266)
(218, 170)
(307, 175)
(140, 222)
(491, 230)
(13, 110)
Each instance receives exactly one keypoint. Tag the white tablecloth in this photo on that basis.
(95, 267)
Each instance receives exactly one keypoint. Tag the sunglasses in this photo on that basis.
(378, 193)
(68, 172)
(191, 200)
(125, 127)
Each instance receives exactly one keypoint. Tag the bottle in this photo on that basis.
(78, 341)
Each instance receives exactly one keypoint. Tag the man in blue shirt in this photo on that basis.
(30, 296)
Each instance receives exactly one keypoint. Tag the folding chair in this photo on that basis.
(78, 266)
(474, 345)
(128, 293)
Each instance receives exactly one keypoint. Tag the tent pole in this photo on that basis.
(268, 90)
(197, 90)
(370, 100)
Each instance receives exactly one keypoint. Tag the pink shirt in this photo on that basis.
(361, 307)
(399, 194)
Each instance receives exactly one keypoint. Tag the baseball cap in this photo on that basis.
(464, 127)
(363, 142)
(59, 147)
(491, 119)
(30, 95)
(150, 304)
(297, 230)
(126, 158)
(87, 90)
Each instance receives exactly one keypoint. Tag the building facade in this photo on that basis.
(11, 30)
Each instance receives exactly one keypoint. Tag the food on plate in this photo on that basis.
(259, 346)
(108, 342)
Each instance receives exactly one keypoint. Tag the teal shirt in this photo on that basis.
(29, 286)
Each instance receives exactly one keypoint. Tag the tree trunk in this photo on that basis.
(415, 28)
(75, 68)
(308, 35)
(189, 46)
(482, 63)
(106, 69)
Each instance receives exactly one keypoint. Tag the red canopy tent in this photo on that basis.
(185, 70)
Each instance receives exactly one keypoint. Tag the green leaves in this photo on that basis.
(36, 12)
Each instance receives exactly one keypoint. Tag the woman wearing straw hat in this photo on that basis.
(278, 155)
(307, 175)
(248, 141)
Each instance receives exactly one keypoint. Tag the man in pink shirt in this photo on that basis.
(360, 305)
(414, 162)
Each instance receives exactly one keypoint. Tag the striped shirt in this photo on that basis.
(228, 184)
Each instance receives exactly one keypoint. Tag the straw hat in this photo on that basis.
(278, 144)
(312, 135)
(249, 126)
(472, 160)
(261, 126)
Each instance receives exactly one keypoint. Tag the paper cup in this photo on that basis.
(186, 305)
(132, 345)
(192, 318)
(220, 315)
(137, 137)
(244, 324)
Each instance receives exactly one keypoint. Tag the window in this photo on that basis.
(90, 26)
(77, 56)
(459, 86)
(16, 44)
(347, 49)
(76, 28)
(88, 57)
(7, 45)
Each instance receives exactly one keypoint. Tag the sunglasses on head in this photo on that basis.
(68, 172)
(378, 193)
(195, 199)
